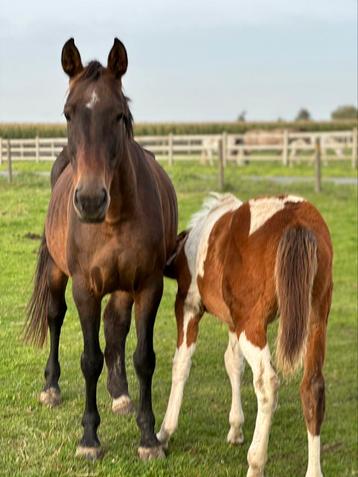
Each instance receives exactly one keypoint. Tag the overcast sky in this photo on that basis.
(195, 60)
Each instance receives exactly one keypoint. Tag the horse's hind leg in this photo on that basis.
(188, 318)
(117, 320)
(57, 281)
(312, 386)
(235, 365)
(266, 385)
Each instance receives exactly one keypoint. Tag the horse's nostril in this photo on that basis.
(77, 201)
(104, 196)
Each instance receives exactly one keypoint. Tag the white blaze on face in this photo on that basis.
(261, 210)
(93, 100)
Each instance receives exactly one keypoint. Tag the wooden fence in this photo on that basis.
(282, 146)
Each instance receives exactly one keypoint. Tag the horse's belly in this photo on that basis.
(56, 226)
(211, 293)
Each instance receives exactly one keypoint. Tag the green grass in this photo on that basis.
(35, 441)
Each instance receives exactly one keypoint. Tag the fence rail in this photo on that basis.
(282, 146)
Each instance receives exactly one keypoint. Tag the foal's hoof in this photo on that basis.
(150, 453)
(51, 397)
(235, 436)
(123, 405)
(89, 453)
(163, 438)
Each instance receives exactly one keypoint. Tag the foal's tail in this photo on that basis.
(296, 266)
(35, 329)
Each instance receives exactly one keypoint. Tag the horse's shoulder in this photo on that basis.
(59, 166)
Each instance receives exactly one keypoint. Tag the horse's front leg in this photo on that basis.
(117, 321)
(89, 309)
(146, 305)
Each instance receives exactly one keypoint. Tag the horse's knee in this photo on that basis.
(144, 362)
(313, 402)
(92, 365)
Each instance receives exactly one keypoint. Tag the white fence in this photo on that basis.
(282, 146)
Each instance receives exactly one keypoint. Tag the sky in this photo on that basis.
(195, 60)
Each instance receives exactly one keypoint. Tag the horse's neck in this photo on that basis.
(123, 190)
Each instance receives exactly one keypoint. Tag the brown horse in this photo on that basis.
(111, 226)
(246, 263)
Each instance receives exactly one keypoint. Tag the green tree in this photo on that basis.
(242, 116)
(345, 112)
(303, 115)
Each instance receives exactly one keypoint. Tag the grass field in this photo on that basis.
(35, 441)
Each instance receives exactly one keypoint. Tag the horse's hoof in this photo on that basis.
(163, 438)
(123, 405)
(89, 453)
(254, 472)
(50, 397)
(235, 436)
(150, 453)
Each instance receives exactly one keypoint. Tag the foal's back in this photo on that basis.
(235, 265)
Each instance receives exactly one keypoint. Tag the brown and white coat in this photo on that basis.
(246, 263)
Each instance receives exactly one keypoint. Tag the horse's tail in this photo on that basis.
(35, 329)
(296, 266)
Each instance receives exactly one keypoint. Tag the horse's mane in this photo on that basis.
(93, 72)
(211, 203)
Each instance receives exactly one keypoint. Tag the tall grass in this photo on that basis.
(30, 130)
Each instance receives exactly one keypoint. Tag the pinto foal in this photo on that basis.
(246, 263)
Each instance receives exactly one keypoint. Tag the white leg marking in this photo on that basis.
(180, 374)
(235, 364)
(314, 459)
(266, 384)
(122, 405)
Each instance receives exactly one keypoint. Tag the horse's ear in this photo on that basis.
(71, 59)
(117, 59)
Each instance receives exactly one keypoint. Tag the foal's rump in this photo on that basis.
(278, 262)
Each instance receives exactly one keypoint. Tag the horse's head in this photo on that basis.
(98, 125)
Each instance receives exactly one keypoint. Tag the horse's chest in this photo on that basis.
(109, 267)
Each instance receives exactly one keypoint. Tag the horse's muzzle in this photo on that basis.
(91, 207)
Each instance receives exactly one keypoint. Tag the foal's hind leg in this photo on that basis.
(266, 385)
(51, 396)
(235, 365)
(188, 317)
(313, 393)
(117, 320)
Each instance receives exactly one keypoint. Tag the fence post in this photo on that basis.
(170, 149)
(355, 148)
(221, 163)
(9, 161)
(37, 149)
(0, 150)
(224, 142)
(318, 164)
(285, 148)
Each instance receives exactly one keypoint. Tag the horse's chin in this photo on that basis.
(88, 219)
(92, 220)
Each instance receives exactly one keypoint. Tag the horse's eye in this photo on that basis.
(119, 117)
(67, 115)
